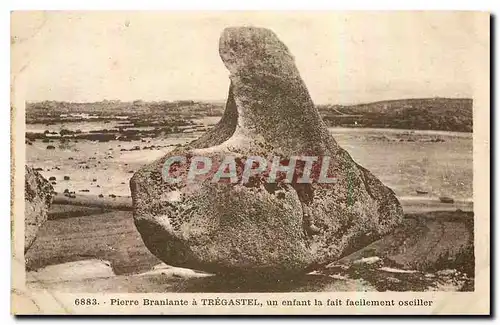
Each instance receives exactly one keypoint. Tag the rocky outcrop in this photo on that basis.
(262, 227)
(427, 252)
(427, 242)
(37, 199)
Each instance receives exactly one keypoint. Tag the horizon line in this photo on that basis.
(223, 101)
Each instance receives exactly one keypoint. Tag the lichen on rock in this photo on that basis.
(37, 198)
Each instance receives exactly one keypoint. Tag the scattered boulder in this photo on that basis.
(52, 178)
(66, 178)
(50, 147)
(279, 228)
(419, 191)
(70, 194)
(446, 199)
(37, 199)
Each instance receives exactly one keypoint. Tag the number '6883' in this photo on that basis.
(85, 302)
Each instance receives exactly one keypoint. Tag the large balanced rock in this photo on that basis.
(262, 226)
(37, 199)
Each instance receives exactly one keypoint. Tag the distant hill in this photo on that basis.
(53, 111)
(448, 114)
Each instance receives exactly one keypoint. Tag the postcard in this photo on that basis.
(250, 162)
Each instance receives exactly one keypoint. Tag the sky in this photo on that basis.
(348, 57)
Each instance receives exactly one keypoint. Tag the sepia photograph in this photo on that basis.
(283, 162)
